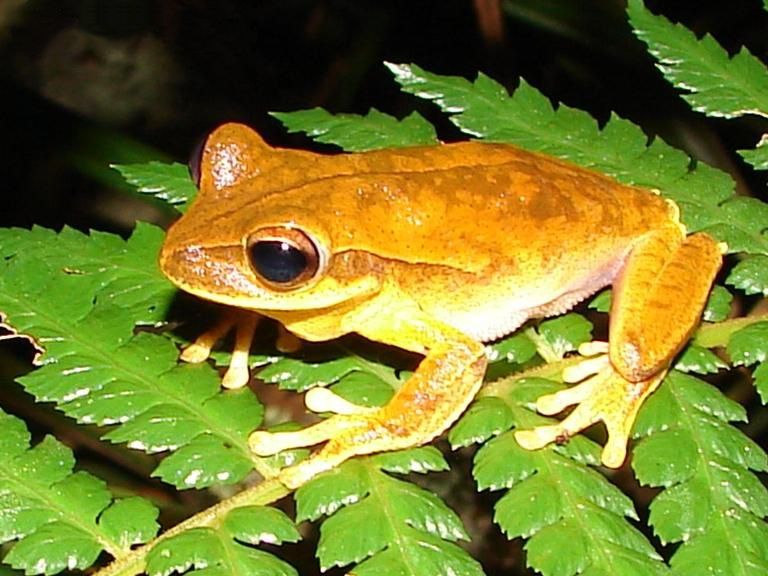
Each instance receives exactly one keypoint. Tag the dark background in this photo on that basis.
(85, 83)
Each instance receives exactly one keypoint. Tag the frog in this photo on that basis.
(437, 250)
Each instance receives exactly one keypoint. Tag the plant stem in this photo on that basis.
(135, 561)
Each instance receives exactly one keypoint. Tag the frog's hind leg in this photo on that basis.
(426, 404)
(657, 303)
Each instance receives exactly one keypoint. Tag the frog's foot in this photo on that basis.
(604, 396)
(346, 435)
(245, 324)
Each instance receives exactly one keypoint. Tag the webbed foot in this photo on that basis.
(603, 395)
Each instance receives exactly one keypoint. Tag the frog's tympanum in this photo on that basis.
(436, 250)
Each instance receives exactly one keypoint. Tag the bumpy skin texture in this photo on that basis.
(435, 250)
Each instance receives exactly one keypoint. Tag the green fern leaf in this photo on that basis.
(365, 388)
(761, 381)
(356, 133)
(749, 346)
(484, 109)
(168, 182)
(61, 520)
(602, 302)
(759, 156)
(485, 418)
(700, 360)
(227, 550)
(97, 371)
(715, 84)
(556, 502)
(98, 266)
(561, 335)
(518, 348)
(718, 306)
(750, 275)
(298, 375)
(129, 521)
(688, 448)
(408, 530)
(739, 222)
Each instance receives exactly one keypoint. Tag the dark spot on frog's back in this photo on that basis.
(550, 201)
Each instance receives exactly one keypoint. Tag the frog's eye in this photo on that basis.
(283, 257)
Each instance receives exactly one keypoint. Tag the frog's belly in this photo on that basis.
(488, 311)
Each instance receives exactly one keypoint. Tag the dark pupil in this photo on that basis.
(278, 261)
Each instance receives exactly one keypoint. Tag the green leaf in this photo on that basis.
(759, 156)
(209, 551)
(53, 548)
(621, 149)
(130, 521)
(363, 389)
(422, 460)
(52, 513)
(750, 275)
(761, 381)
(704, 464)
(563, 334)
(98, 371)
(168, 182)
(739, 222)
(256, 524)
(205, 461)
(559, 504)
(518, 348)
(714, 83)
(718, 306)
(749, 345)
(485, 418)
(700, 360)
(602, 302)
(420, 553)
(356, 133)
(196, 548)
(97, 266)
(330, 491)
(295, 374)
(399, 518)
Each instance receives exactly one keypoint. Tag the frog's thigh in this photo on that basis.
(433, 397)
(657, 303)
(658, 300)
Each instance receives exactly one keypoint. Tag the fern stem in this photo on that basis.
(708, 336)
(714, 335)
(135, 561)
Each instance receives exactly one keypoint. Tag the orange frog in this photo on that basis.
(436, 250)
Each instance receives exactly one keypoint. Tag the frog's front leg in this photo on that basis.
(244, 323)
(438, 392)
(657, 301)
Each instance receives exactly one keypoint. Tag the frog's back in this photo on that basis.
(486, 247)
(475, 214)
